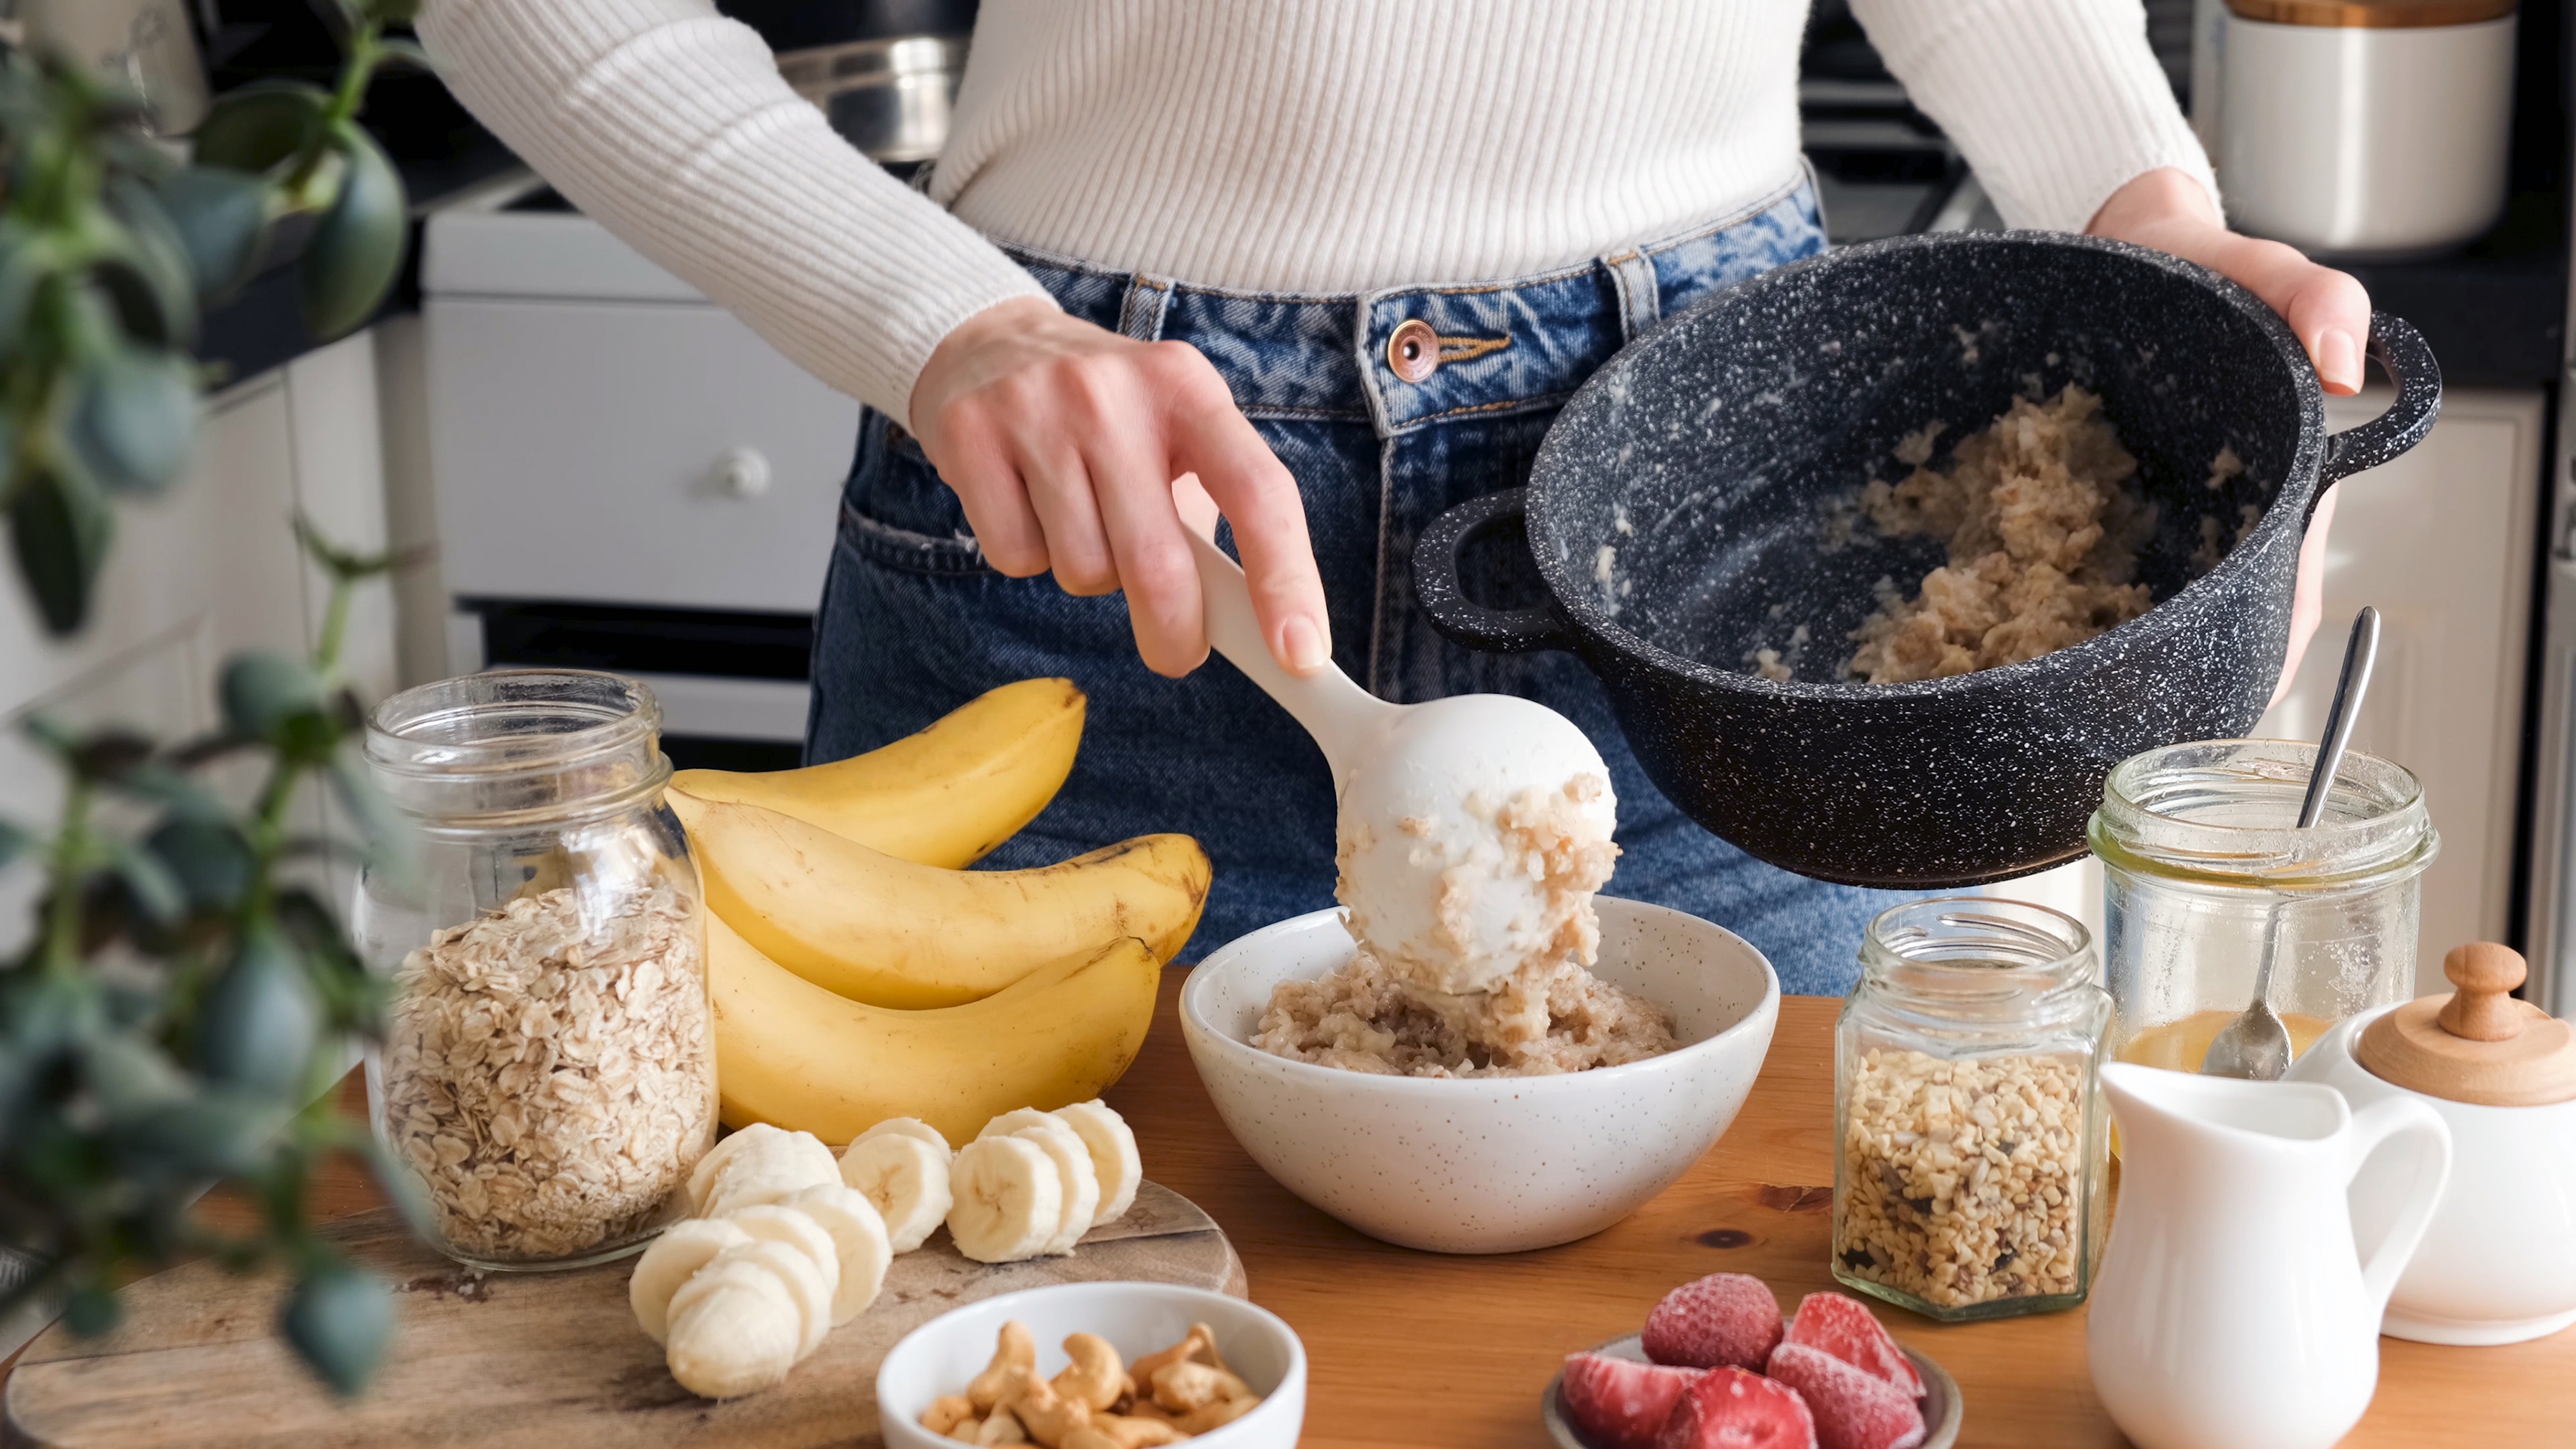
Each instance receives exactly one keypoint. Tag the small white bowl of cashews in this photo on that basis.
(1144, 1324)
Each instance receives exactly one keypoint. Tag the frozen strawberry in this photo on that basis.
(1732, 1409)
(1619, 1403)
(1724, 1318)
(1844, 1327)
(1854, 1408)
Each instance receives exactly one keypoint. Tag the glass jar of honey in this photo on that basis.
(2200, 851)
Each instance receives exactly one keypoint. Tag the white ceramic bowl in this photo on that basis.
(944, 1355)
(1488, 1164)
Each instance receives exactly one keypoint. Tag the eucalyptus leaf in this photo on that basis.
(162, 305)
(91, 1311)
(339, 1319)
(14, 842)
(136, 419)
(60, 528)
(148, 881)
(27, 257)
(259, 1022)
(216, 1133)
(262, 691)
(401, 52)
(222, 218)
(389, 832)
(162, 783)
(130, 1076)
(356, 251)
(257, 126)
(208, 858)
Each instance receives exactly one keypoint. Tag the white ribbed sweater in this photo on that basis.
(1295, 145)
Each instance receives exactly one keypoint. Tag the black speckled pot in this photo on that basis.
(1677, 511)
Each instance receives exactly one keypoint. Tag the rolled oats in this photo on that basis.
(1964, 1180)
(549, 1071)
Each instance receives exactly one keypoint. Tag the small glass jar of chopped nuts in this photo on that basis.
(548, 1066)
(1971, 1139)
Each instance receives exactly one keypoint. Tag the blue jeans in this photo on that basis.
(914, 623)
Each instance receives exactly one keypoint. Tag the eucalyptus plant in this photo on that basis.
(186, 994)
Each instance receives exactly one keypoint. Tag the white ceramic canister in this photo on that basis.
(2365, 128)
(2498, 1263)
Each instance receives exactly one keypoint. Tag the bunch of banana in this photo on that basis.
(859, 973)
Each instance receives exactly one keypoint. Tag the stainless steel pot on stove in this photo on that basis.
(890, 98)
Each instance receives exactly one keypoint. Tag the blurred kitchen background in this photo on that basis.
(614, 473)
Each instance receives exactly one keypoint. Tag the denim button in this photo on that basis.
(1413, 350)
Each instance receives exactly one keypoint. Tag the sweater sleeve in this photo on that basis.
(2057, 103)
(671, 126)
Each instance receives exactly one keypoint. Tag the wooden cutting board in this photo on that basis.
(538, 1359)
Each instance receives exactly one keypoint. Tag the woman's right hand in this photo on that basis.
(1063, 439)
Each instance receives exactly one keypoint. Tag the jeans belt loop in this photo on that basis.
(1140, 315)
(1640, 303)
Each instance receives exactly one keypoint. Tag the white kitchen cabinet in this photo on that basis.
(208, 569)
(629, 452)
(2440, 541)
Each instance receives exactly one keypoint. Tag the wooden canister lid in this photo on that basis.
(2371, 14)
(2476, 1044)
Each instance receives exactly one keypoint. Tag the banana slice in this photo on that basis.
(795, 1269)
(735, 1327)
(912, 1127)
(1013, 1120)
(1009, 1200)
(702, 1177)
(858, 1239)
(683, 1248)
(780, 1223)
(1120, 1167)
(905, 1179)
(1073, 1170)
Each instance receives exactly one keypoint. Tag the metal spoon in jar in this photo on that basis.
(2256, 1046)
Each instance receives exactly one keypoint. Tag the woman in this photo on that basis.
(1174, 237)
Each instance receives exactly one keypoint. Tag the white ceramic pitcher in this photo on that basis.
(2232, 1307)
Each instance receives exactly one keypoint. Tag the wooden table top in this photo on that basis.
(1429, 1352)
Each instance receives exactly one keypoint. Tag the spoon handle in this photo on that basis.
(1342, 717)
(2360, 652)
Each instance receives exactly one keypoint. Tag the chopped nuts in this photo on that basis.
(549, 1070)
(1963, 1181)
(1096, 1402)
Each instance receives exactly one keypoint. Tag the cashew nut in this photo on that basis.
(1132, 1432)
(1088, 1437)
(947, 1412)
(1096, 1378)
(1199, 1346)
(1002, 1428)
(1187, 1387)
(966, 1431)
(1048, 1415)
(1219, 1414)
(1016, 1348)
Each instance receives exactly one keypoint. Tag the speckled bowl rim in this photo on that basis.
(1936, 1435)
(1762, 1018)
(2299, 487)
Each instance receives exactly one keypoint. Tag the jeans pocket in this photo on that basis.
(896, 512)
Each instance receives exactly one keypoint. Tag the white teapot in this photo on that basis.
(2498, 1263)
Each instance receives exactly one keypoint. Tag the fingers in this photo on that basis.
(978, 468)
(1215, 441)
(1153, 558)
(2328, 311)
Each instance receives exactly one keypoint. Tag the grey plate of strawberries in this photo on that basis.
(1719, 1366)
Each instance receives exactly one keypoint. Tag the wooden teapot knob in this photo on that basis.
(2483, 1008)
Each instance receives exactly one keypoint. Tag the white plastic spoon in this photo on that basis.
(1422, 862)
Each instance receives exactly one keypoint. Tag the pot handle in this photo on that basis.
(2401, 350)
(1460, 619)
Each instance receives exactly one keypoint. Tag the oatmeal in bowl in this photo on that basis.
(1477, 1162)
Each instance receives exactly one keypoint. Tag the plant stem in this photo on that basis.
(71, 857)
(335, 624)
(355, 71)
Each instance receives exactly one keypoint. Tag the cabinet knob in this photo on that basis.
(742, 473)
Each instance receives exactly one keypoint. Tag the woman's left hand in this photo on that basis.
(2329, 312)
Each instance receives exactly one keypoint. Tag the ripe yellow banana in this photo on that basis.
(942, 797)
(794, 1055)
(891, 933)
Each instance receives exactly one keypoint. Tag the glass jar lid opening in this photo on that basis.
(513, 742)
(1977, 956)
(2226, 812)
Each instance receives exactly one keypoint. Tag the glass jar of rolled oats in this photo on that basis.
(548, 1064)
(1968, 1180)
